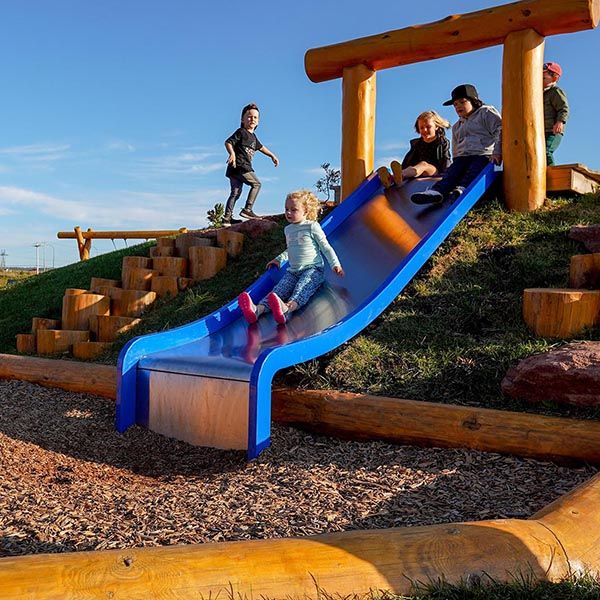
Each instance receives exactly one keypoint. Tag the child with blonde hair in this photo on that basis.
(306, 246)
(429, 155)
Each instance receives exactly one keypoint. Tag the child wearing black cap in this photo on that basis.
(556, 109)
(476, 140)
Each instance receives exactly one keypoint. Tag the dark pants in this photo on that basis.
(237, 183)
(462, 171)
(553, 141)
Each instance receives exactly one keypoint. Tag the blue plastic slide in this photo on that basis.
(216, 373)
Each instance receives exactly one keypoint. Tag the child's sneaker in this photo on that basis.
(385, 177)
(229, 221)
(397, 171)
(278, 307)
(247, 307)
(427, 197)
(248, 213)
(455, 194)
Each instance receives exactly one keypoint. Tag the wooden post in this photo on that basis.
(523, 142)
(83, 245)
(358, 126)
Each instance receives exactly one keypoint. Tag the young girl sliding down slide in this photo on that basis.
(306, 246)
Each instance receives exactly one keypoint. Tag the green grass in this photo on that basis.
(450, 337)
(41, 295)
(522, 588)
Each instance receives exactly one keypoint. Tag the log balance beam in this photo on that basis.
(365, 417)
(84, 238)
(520, 26)
(559, 541)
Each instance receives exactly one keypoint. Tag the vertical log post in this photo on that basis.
(523, 142)
(358, 126)
(84, 246)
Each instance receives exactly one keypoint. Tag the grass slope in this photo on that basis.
(451, 336)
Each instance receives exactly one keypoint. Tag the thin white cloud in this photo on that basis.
(120, 145)
(115, 210)
(319, 170)
(386, 160)
(36, 152)
(391, 146)
(185, 163)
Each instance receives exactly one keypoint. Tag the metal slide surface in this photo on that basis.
(382, 240)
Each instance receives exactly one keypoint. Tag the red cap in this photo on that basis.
(553, 68)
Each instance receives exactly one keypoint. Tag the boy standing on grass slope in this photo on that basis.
(241, 146)
(556, 109)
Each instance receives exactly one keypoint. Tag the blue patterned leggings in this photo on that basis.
(300, 286)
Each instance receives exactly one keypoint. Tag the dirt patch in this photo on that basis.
(70, 482)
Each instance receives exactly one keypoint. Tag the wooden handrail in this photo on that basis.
(453, 35)
(84, 238)
(90, 234)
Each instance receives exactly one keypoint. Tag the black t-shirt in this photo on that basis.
(436, 153)
(245, 144)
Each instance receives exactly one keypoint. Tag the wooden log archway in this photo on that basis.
(520, 26)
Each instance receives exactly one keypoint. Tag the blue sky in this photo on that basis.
(114, 113)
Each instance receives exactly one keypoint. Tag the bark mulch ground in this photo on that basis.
(69, 482)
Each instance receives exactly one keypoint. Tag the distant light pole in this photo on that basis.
(51, 246)
(37, 257)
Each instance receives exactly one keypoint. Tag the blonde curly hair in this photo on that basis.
(312, 206)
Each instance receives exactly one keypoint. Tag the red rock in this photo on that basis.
(589, 235)
(568, 375)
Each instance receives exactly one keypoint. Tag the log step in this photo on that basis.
(89, 350)
(166, 285)
(77, 310)
(138, 278)
(231, 241)
(206, 261)
(108, 328)
(158, 251)
(584, 271)
(56, 341)
(174, 266)
(560, 313)
(136, 262)
(130, 303)
(184, 242)
(38, 323)
(98, 283)
(26, 343)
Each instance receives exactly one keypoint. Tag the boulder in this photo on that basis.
(589, 235)
(569, 375)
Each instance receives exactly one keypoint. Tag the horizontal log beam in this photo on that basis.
(344, 564)
(364, 417)
(89, 378)
(120, 235)
(453, 35)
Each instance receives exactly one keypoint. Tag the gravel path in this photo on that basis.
(69, 482)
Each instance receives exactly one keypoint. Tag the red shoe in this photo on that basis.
(247, 307)
(278, 307)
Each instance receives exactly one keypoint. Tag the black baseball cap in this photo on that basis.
(466, 90)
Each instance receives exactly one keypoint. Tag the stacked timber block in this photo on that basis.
(565, 313)
(93, 319)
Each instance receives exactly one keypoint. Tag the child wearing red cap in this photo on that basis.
(556, 109)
